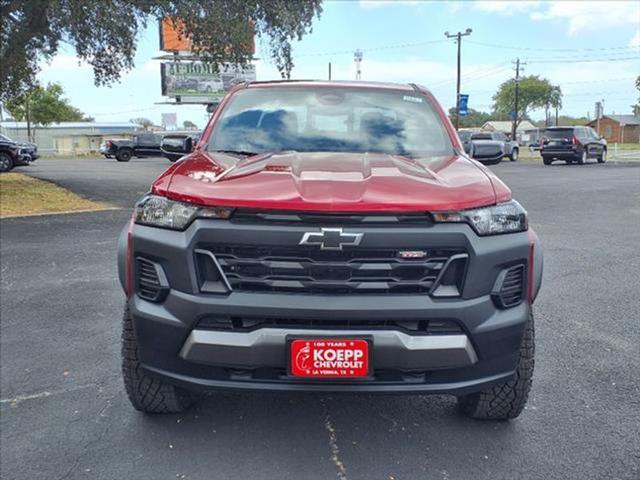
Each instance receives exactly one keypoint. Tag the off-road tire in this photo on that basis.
(515, 153)
(6, 162)
(547, 160)
(124, 155)
(505, 400)
(146, 394)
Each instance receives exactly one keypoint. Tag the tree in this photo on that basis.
(104, 32)
(534, 93)
(474, 118)
(41, 106)
(145, 122)
(636, 107)
(189, 125)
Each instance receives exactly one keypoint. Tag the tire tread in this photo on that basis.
(506, 400)
(146, 394)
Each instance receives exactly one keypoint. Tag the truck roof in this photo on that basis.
(333, 83)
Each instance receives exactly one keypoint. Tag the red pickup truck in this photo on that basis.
(329, 236)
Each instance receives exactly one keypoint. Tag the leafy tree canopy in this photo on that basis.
(188, 124)
(474, 118)
(43, 106)
(104, 32)
(40, 106)
(534, 93)
(145, 122)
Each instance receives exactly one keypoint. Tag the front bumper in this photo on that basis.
(174, 346)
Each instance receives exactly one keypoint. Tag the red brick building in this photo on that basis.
(618, 128)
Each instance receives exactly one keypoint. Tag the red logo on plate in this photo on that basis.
(329, 358)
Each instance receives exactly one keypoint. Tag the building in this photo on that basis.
(69, 138)
(505, 127)
(618, 128)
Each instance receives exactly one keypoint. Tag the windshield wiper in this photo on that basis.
(235, 152)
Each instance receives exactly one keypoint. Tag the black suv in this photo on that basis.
(572, 144)
(13, 154)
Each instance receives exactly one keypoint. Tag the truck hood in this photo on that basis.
(333, 182)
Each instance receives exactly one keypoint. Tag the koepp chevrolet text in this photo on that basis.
(327, 236)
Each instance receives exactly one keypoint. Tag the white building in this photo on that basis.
(69, 137)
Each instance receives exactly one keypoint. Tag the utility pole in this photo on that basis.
(329, 70)
(357, 57)
(514, 124)
(458, 36)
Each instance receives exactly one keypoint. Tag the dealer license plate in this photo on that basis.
(329, 358)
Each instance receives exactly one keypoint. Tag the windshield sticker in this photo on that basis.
(408, 98)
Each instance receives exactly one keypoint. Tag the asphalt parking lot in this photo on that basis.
(64, 413)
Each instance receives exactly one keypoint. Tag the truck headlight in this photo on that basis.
(507, 217)
(157, 211)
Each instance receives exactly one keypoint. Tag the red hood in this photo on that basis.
(336, 182)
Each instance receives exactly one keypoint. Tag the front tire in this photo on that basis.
(547, 160)
(505, 400)
(146, 394)
(515, 153)
(6, 162)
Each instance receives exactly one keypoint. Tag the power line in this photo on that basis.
(538, 49)
(623, 59)
(372, 49)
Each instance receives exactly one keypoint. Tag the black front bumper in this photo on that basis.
(174, 345)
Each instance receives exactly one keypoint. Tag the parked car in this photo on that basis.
(142, 145)
(572, 144)
(173, 145)
(13, 154)
(465, 139)
(327, 236)
(480, 142)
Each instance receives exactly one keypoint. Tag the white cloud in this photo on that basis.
(388, 3)
(506, 8)
(580, 15)
(635, 41)
(589, 15)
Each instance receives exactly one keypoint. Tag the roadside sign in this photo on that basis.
(464, 103)
(199, 79)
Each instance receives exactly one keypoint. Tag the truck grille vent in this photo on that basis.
(512, 287)
(151, 282)
(245, 324)
(302, 270)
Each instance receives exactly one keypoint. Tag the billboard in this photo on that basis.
(198, 79)
(173, 40)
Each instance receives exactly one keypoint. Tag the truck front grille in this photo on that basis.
(310, 270)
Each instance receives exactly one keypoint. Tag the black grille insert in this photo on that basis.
(151, 282)
(510, 287)
(311, 270)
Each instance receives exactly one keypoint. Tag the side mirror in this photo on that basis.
(177, 144)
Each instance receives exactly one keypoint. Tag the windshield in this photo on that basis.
(559, 133)
(330, 119)
(481, 136)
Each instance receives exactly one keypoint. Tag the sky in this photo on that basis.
(591, 49)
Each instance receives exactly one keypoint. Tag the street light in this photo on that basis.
(458, 36)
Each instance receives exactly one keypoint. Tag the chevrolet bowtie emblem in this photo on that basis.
(331, 239)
